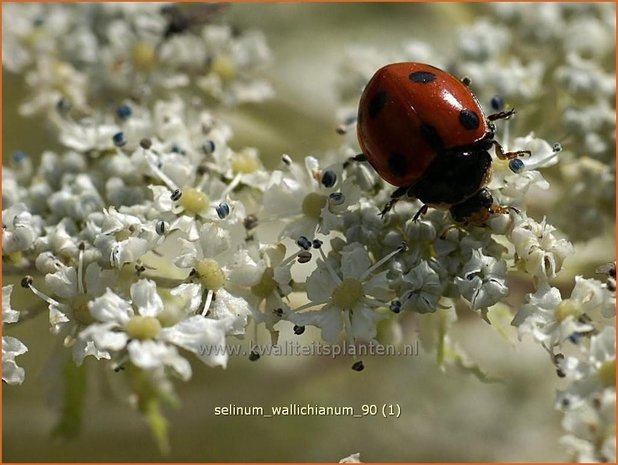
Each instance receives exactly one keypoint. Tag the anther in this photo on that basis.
(304, 257)
(119, 139)
(176, 195)
(358, 366)
(329, 178)
(337, 198)
(303, 243)
(208, 147)
(223, 210)
(26, 282)
(145, 143)
(298, 330)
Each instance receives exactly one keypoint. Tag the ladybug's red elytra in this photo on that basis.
(424, 131)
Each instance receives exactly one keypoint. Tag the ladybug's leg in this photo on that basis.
(420, 212)
(395, 197)
(501, 115)
(502, 155)
(358, 158)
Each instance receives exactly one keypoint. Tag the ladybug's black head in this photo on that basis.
(475, 209)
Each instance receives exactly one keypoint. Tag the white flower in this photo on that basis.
(125, 238)
(234, 64)
(591, 429)
(135, 326)
(11, 347)
(19, 229)
(483, 281)
(350, 294)
(219, 265)
(353, 458)
(302, 196)
(537, 249)
(591, 371)
(265, 297)
(483, 40)
(421, 289)
(549, 319)
(77, 198)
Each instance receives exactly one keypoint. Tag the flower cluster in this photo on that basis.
(154, 240)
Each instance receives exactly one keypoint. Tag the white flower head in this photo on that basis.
(591, 371)
(136, 326)
(350, 291)
(550, 319)
(482, 281)
(421, 289)
(538, 251)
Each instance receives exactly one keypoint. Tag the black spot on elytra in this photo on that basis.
(431, 136)
(422, 77)
(469, 119)
(377, 103)
(397, 164)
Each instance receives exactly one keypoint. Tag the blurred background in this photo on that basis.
(445, 417)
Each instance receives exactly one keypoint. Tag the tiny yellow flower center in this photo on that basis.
(34, 37)
(348, 293)
(224, 67)
(313, 204)
(122, 235)
(143, 327)
(81, 313)
(244, 164)
(565, 309)
(15, 257)
(210, 274)
(144, 56)
(607, 373)
(267, 284)
(194, 201)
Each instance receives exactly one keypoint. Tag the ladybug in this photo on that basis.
(424, 131)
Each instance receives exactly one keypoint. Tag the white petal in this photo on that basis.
(104, 337)
(145, 298)
(83, 348)
(244, 270)
(354, 261)
(191, 294)
(204, 337)
(364, 321)
(151, 355)
(328, 319)
(8, 314)
(229, 308)
(111, 308)
(320, 285)
(63, 282)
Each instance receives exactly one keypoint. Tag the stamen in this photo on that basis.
(329, 178)
(395, 306)
(401, 248)
(208, 147)
(162, 176)
(223, 210)
(231, 186)
(27, 283)
(310, 305)
(298, 330)
(337, 198)
(303, 243)
(161, 227)
(124, 112)
(330, 268)
(80, 269)
(207, 303)
(119, 139)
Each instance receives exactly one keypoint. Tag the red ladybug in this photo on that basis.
(424, 131)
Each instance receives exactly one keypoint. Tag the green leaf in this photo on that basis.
(73, 395)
